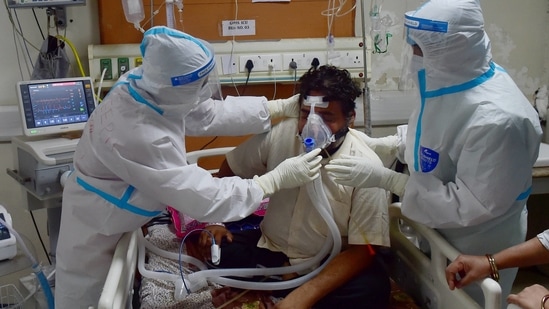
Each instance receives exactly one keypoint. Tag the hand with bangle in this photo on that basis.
(466, 269)
(532, 297)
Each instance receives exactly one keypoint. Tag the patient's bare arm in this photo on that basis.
(225, 170)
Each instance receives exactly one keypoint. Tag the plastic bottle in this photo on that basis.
(134, 12)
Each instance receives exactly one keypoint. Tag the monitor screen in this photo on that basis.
(53, 106)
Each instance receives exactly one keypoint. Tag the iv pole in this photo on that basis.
(366, 90)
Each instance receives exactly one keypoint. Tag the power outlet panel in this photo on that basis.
(271, 59)
(348, 59)
(303, 60)
(262, 62)
(353, 59)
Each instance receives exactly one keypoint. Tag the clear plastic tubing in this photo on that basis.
(37, 269)
(143, 243)
(319, 200)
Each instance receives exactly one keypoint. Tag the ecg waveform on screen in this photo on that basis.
(57, 103)
(48, 108)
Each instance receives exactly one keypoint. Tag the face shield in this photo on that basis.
(450, 34)
(315, 133)
(412, 58)
(211, 89)
(410, 65)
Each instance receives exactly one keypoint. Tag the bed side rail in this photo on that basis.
(424, 278)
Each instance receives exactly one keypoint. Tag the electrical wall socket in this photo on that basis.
(353, 59)
(303, 60)
(229, 64)
(262, 62)
(347, 59)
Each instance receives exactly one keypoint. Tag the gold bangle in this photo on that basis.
(544, 300)
(494, 273)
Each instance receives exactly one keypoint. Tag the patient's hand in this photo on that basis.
(205, 240)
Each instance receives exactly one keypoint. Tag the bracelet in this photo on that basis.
(494, 273)
(215, 223)
(544, 300)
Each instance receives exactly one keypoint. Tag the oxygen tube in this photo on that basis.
(198, 280)
(36, 267)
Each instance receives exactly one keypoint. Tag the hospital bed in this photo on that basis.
(423, 275)
(419, 275)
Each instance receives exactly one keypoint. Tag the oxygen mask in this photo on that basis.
(315, 133)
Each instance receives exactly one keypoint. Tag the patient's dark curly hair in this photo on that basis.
(335, 83)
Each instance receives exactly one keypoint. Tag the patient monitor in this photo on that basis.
(53, 114)
(54, 106)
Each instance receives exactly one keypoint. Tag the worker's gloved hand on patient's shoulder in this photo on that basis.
(388, 147)
(288, 108)
(291, 173)
(362, 173)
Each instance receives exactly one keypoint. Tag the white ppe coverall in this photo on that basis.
(472, 141)
(130, 162)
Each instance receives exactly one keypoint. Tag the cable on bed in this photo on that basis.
(215, 252)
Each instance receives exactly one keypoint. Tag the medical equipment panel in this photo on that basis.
(55, 105)
(40, 164)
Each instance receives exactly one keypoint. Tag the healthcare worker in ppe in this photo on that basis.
(470, 144)
(130, 162)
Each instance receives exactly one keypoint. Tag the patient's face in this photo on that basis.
(332, 115)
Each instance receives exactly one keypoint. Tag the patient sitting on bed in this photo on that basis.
(292, 230)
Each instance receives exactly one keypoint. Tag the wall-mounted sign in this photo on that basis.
(238, 27)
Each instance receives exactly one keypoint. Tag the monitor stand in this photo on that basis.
(40, 161)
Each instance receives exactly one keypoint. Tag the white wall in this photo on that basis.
(82, 29)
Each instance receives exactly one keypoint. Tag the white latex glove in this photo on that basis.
(291, 173)
(361, 173)
(284, 107)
